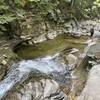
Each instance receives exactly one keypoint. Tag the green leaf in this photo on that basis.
(4, 19)
(2, 7)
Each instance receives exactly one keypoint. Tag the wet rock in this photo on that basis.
(92, 90)
(22, 37)
(52, 34)
(97, 34)
(74, 50)
(72, 60)
(39, 39)
(85, 26)
(84, 64)
(6, 57)
(30, 43)
(94, 49)
(43, 89)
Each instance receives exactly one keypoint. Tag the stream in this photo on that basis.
(49, 60)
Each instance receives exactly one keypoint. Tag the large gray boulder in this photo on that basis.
(92, 90)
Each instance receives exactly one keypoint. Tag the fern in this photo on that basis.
(2, 7)
(20, 9)
(4, 19)
(6, 15)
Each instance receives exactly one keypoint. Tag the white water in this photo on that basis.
(20, 71)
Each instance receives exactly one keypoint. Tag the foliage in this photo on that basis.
(5, 15)
(86, 8)
(21, 9)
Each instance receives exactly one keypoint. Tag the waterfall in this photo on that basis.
(48, 67)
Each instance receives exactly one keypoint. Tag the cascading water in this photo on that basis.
(48, 67)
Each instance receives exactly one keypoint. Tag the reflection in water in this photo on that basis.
(49, 47)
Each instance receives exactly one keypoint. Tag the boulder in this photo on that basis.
(92, 90)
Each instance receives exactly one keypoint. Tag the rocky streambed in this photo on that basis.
(58, 69)
(41, 68)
